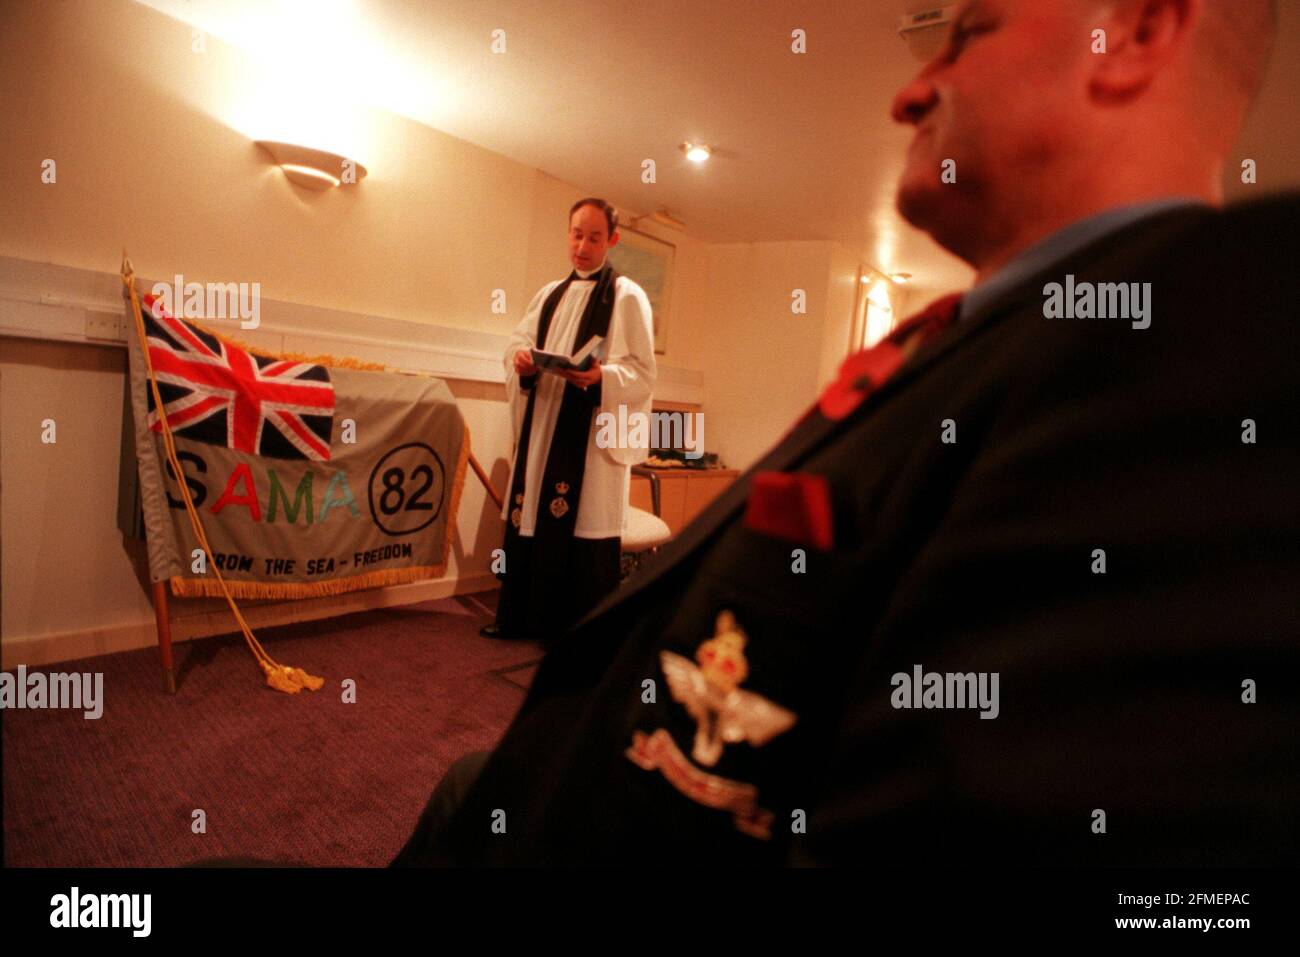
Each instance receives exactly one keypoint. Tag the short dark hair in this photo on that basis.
(611, 214)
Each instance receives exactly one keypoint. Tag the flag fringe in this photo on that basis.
(207, 588)
(334, 362)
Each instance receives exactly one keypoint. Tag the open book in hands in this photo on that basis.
(580, 361)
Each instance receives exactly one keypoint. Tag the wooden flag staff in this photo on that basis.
(482, 477)
(280, 677)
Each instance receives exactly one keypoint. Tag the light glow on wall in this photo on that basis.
(312, 71)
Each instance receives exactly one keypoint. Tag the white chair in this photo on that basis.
(643, 531)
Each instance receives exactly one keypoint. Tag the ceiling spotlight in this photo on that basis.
(901, 277)
(696, 152)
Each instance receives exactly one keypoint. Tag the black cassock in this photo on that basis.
(552, 577)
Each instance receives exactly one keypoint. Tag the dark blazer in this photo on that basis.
(1119, 692)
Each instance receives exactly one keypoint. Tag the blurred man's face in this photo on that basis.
(589, 238)
(1004, 100)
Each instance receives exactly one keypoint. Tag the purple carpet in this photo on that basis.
(302, 777)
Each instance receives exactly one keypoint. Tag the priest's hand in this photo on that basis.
(583, 379)
(524, 363)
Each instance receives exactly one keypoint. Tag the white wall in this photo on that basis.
(148, 158)
(771, 362)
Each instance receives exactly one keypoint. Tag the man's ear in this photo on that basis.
(614, 237)
(1142, 37)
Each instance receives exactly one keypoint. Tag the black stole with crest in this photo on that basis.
(561, 490)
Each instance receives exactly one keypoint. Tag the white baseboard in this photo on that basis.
(36, 651)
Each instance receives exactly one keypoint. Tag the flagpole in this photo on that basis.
(487, 484)
(164, 624)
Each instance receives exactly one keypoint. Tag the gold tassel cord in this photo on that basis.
(281, 677)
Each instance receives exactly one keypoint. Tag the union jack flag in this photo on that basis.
(216, 393)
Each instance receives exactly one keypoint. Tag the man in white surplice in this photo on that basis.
(568, 494)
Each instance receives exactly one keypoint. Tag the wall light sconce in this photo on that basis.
(879, 297)
(696, 152)
(314, 169)
(878, 291)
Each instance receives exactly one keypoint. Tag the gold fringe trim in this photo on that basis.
(335, 362)
(207, 588)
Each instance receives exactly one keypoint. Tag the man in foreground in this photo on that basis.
(1050, 530)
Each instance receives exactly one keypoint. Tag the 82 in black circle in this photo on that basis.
(407, 488)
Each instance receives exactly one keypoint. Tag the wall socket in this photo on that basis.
(103, 325)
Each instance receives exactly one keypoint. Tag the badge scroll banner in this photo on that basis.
(290, 509)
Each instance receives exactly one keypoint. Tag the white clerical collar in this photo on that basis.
(589, 273)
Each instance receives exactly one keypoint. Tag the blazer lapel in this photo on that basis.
(814, 430)
(1131, 242)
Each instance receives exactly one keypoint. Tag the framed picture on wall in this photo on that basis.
(648, 262)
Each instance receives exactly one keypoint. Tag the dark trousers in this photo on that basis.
(539, 600)
(444, 801)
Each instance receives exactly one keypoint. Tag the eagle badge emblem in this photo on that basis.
(724, 713)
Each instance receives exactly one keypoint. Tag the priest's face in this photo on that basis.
(589, 238)
(998, 114)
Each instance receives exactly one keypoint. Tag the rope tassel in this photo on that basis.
(280, 677)
(290, 680)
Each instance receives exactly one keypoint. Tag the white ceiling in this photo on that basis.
(804, 147)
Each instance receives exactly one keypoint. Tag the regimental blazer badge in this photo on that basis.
(559, 507)
(724, 714)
